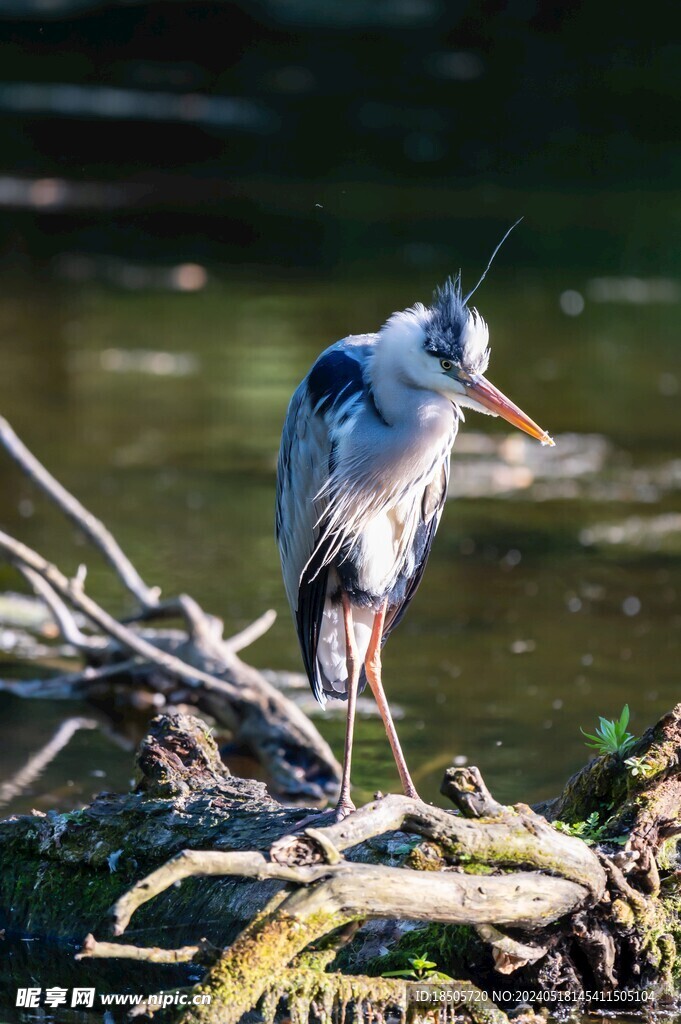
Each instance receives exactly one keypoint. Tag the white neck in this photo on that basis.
(399, 346)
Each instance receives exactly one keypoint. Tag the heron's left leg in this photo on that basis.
(372, 666)
(353, 661)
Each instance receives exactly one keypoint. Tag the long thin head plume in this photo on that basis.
(491, 260)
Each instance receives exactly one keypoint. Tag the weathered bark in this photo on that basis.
(574, 917)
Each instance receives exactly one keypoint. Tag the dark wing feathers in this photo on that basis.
(301, 473)
(311, 598)
(305, 462)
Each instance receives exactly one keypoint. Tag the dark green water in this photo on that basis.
(525, 626)
(382, 146)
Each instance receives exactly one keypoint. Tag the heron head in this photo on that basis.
(456, 343)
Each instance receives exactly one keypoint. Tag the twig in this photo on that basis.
(36, 764)
(201, 625)
(204, 952)
(64, 687)
(508, 954)
(192, 863)
(92, 527)
(205, 627)
(72, 591)
(251, 633)
(63, 616)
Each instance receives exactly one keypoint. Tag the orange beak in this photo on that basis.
(481, 391)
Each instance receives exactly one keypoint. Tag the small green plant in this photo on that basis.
(639, 766)
(422, 969)
(589, 831)
(612, 737)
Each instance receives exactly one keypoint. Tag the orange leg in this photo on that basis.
(345, 804)
(372, 666)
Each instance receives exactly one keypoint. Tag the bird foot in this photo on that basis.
(330, 817)
(342, 809)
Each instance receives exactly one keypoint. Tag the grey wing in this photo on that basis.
(302, 471)
(432, 504)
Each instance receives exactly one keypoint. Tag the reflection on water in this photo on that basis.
(162, 411)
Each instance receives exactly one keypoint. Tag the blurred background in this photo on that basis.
(196, 198)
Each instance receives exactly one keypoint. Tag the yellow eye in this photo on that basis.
(446, 365)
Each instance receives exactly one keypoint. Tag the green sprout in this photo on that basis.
(639, 766)
(589, 831)
(422, 969)
(612, 737)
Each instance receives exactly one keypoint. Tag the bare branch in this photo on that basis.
(201, 626)
(368, 890)
(93, 949)
(69, 685)
(63, 616)
(73, 592)
(92, 527)
(206, 629)
(251, 633)
(38, 762)
(264, 718)
(509, 954)
(289, 746)
(192, 863)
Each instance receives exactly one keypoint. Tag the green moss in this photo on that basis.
(369, 997)
(655, 762)
(425, 857)
(668, 855)
(256, 964)
(314, 959)
(622, 914)
(33, 887)
(331, 992)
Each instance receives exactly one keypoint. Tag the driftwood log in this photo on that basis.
(198, 866)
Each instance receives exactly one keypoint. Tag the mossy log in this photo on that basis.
(221, 862)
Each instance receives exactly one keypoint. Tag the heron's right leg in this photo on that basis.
(345, 804)
(373, 669)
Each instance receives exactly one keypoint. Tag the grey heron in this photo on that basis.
(361, 483)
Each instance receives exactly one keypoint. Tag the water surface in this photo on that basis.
(162, 412)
